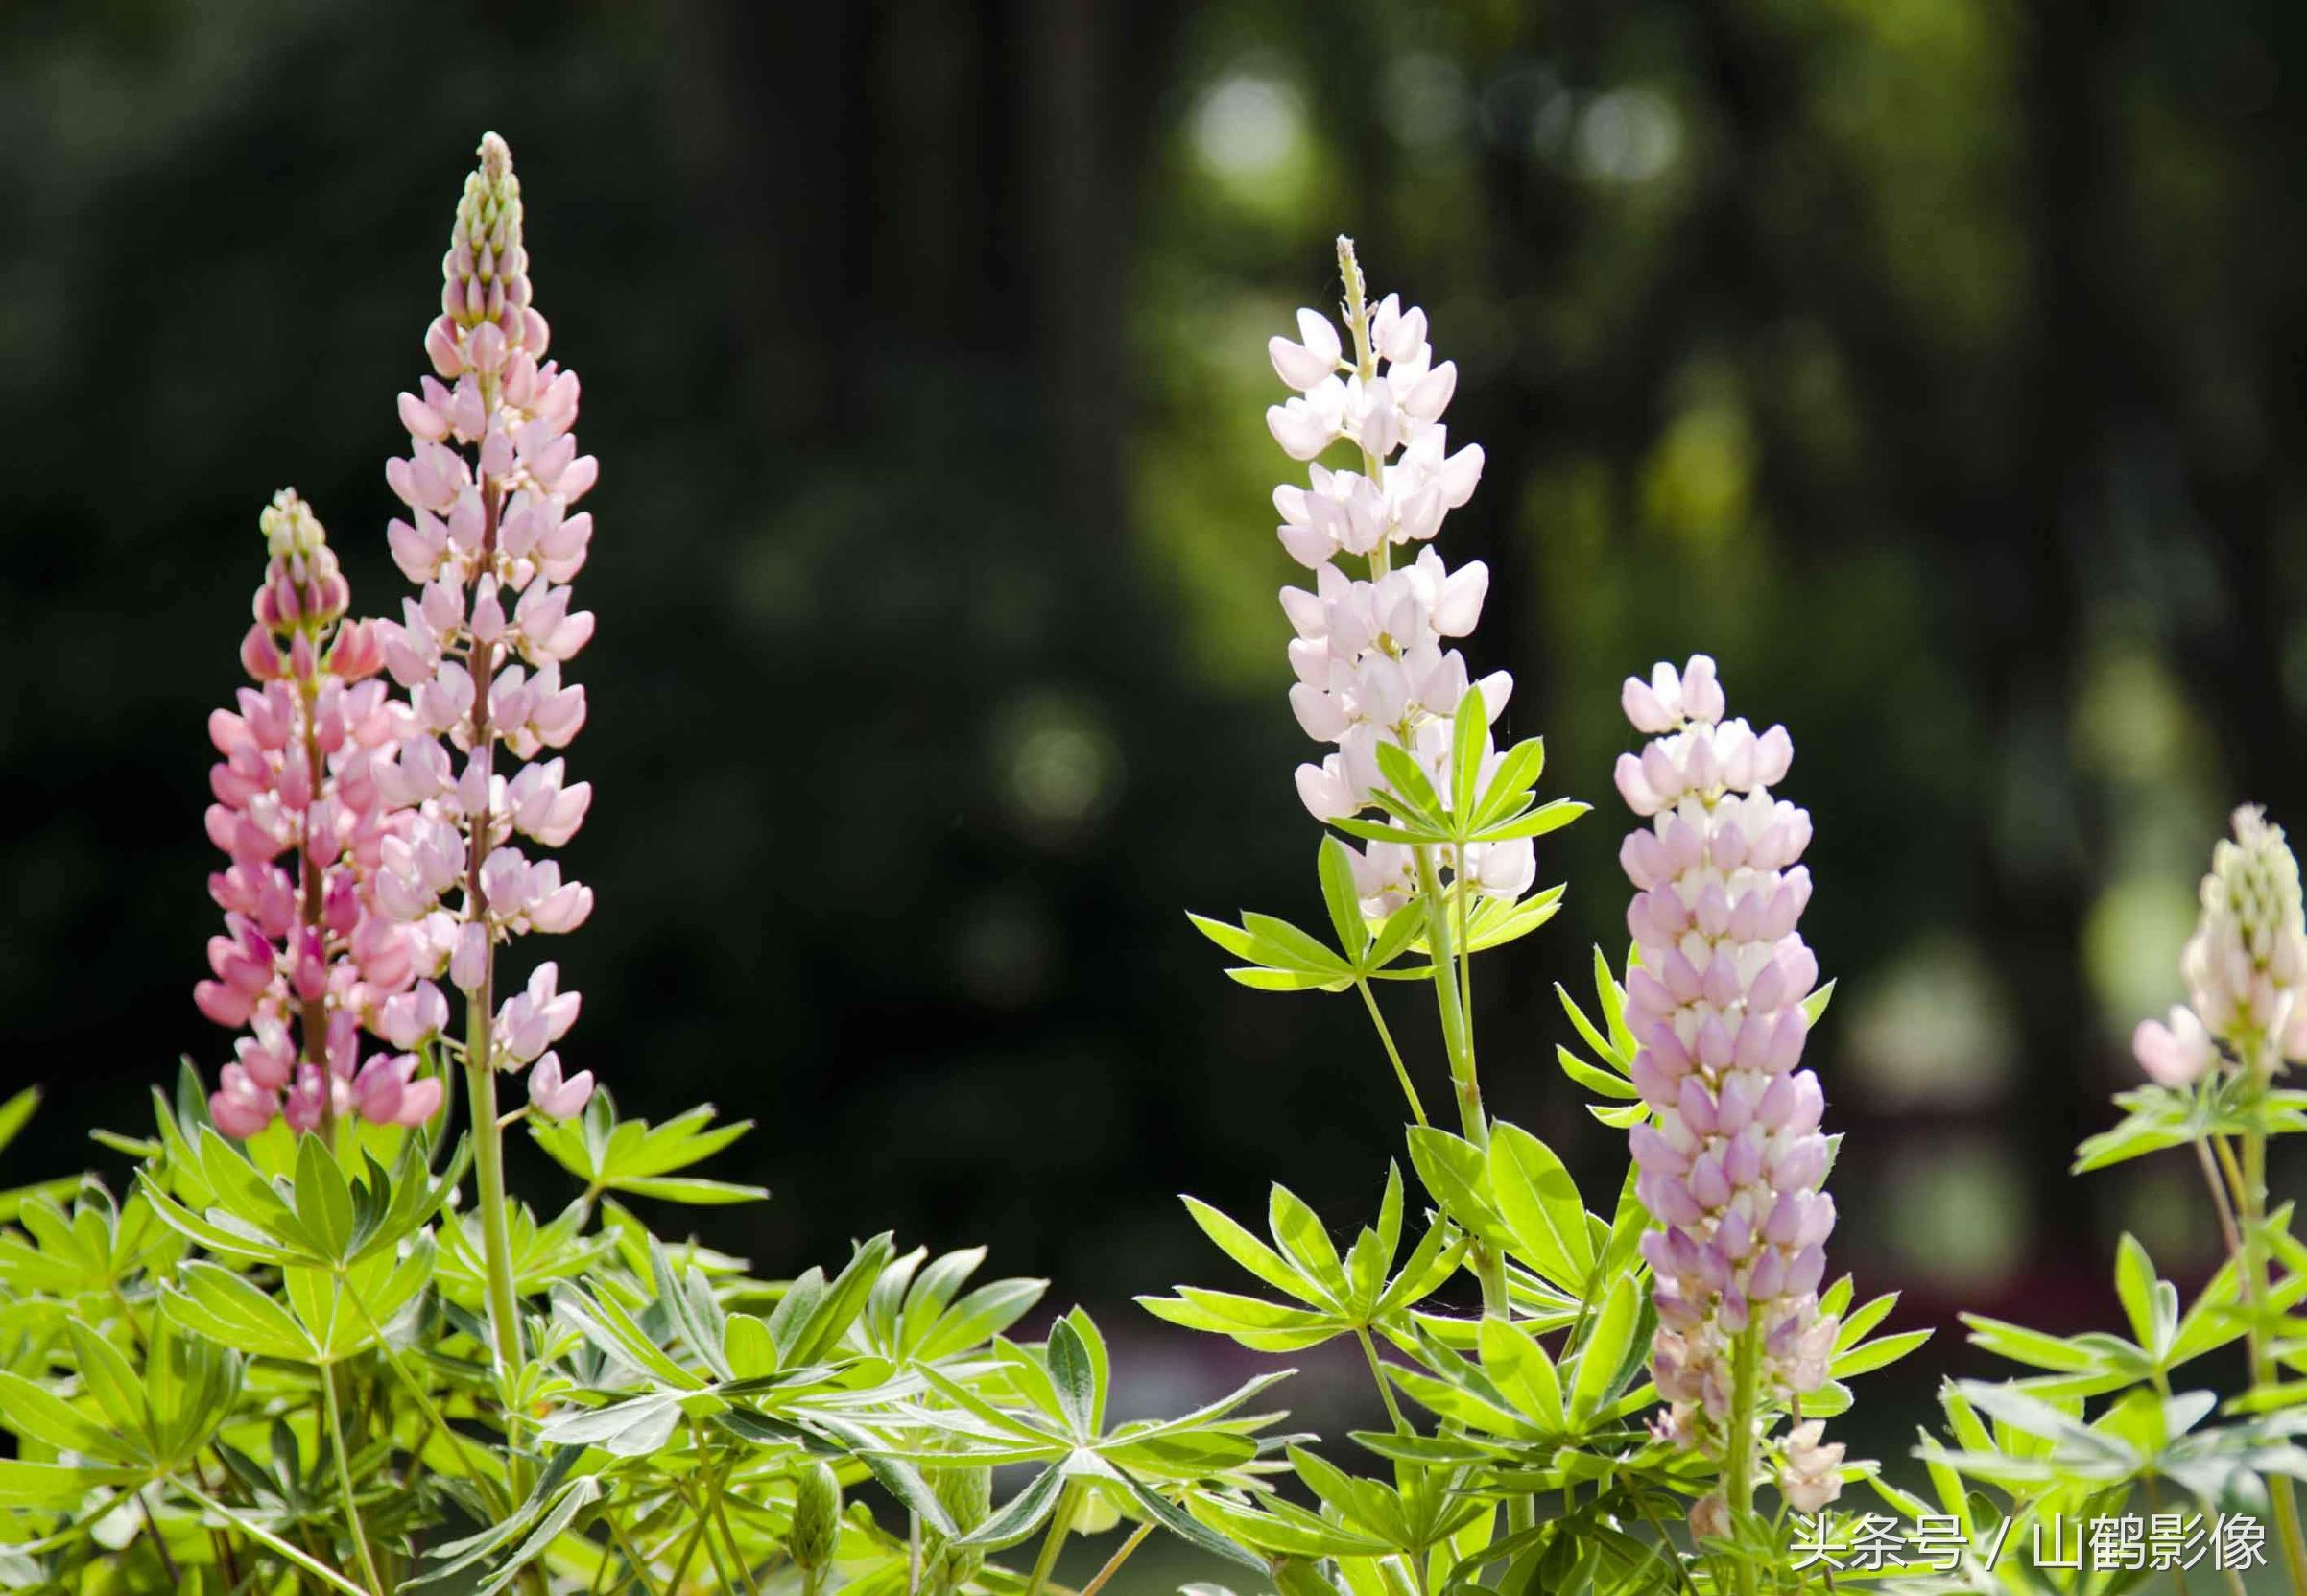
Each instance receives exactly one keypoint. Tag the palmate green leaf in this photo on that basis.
(2159, 1118)
(342, 1310)
(1457, 1177)
(1609, 1353)
(1466, 1394)
(14, 1200)
(1141, 1443)
(968, 1323)
(37, 1415)
(1261, 1326)
(1469, 740)
(687, 1300)
(1281, 957)
(813, 1317)
(1303, 1241)
(1518, 770)
(1252, 1255)
(1174, 1519)
(2151, 1304)
(1494, 922)
(1540, 1205)
(1077, 1375)
(1537, 822)
(323, 1198)
(1334, 865)
(54, 1486)
(1329, 1296)
(1020, 1515)
(1524, 1371)
(636, 1427)
(1283, 1528)
(1407, 785)
(16, 1112)
(1291, 961)
(634, 1158)
(602, 1321)
(92, 1249)
(2033, 1347)
(1878, 1353)
(1600, 1082)
(212, 1301)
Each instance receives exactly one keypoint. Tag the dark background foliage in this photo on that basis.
(1930, 361)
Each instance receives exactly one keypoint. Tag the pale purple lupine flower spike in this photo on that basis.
(491, 475)
(306, 960)
(2245, 966)
(1731, 1163)
(1374, 657)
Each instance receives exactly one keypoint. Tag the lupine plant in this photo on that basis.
(2107, 1427)
(1525, 1451)
(311, 1343)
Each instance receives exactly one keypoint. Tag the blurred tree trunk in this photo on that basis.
(2031, 851)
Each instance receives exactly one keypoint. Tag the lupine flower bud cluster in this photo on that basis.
(1732, 1162)
(2245, 966)
(489, 483)
(306, 959)
(1373, 657)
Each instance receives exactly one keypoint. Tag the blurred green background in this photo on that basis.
(1931, 362)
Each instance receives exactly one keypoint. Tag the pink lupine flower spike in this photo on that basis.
(308, 959)
(492, 543)
(1732, 1162)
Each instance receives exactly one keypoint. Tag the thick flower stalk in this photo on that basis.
(1732, 1162)
(491, 477)
(307, 959)
(489, 480)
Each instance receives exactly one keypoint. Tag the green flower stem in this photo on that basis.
(1465, 951)
(1370, 1000)
(721, 1517)
(1738, 1468)
(1458, 1041)
(488, 1168)
(1113, 1563)
(352, 1512)
(159, 1541)
(2218, 1198)
(634, 1561)
(267, 1538)
(1377, 1372)
(2253, 1201)
(705, 1518)
(480, 1068)
(425, 1404)
(1069, 1501)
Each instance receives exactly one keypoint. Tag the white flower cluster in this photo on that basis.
(2245, 966)
(1372, 654)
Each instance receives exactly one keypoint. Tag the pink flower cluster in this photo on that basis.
(2245, 966)
(1372, 656)
(489, 481)
(307, 959)
(1732, 1160)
